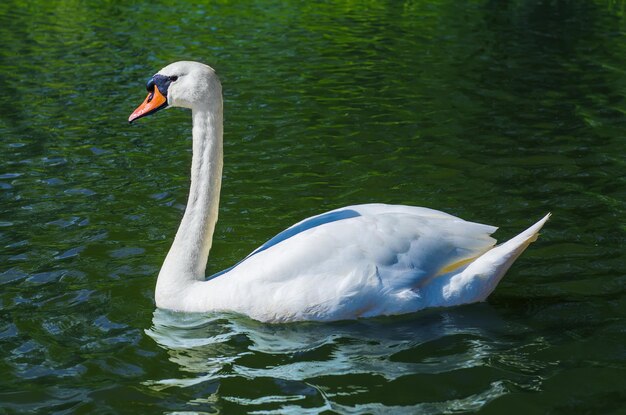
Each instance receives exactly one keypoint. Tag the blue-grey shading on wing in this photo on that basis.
(296, 229)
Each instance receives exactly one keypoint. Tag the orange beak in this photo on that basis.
(153, 102)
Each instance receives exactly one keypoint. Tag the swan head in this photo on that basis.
(182, 84)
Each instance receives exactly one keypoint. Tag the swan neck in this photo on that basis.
(187, 258)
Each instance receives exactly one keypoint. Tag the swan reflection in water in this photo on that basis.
(301, 357)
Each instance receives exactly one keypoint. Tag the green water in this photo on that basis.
(496, 111)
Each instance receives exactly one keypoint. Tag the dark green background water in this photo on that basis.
(496, 111)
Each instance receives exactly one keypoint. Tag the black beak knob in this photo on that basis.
(150, 85)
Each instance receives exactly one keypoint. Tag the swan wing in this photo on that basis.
(355, 261)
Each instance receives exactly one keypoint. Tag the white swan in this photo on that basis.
(357, 261)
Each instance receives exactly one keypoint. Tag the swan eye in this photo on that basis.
(173, 78)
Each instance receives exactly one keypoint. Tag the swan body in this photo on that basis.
(356, 261)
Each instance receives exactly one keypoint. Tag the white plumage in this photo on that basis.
(357, 261)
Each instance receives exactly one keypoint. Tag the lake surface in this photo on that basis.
(495, 111)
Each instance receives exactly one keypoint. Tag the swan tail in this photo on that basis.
(480, 277)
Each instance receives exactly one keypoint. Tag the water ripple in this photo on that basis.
(344, 362)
